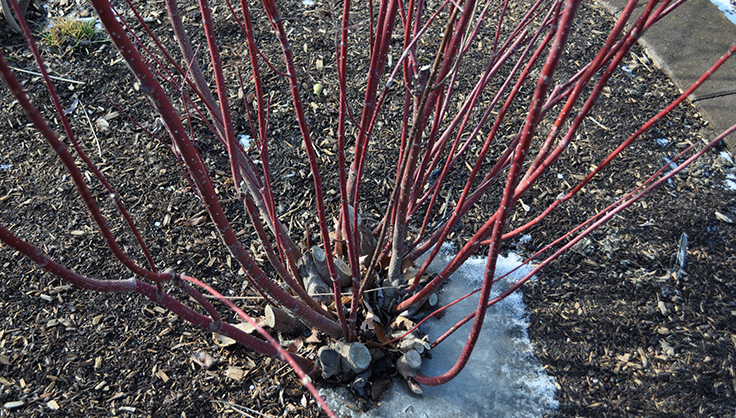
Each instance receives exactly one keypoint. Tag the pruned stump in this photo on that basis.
(282, 321)
(355, 356)
(313, 282)
(329, 362)
(408, 365)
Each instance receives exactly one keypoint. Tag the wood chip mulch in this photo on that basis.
(623, 330)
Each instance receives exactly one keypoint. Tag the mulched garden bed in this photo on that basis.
(622, 330)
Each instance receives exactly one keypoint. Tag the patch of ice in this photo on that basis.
(245, 141)
(525, 239)
(673, 164)
(730, 182)
(663, 142)
(5, 167)
(503, 377)
(727, 9)
(726, 156)
(308, 3)
(627, 70)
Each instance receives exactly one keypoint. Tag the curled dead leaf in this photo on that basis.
(370, 317)
(314, 337)
(223, 341)
(402, 322)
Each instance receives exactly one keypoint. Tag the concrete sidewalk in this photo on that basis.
(685, 44)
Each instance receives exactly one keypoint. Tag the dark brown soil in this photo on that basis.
(623, 332)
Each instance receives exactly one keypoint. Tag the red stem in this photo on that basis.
(296, 362)
(504, 208)
(350, 237)
(75, 144)
(463, 206)
(74, 173)
(626, 143)
(190, 155)
(612, 210)
(152, 292)
(277, 23)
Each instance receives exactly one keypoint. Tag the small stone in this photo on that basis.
(102, 124)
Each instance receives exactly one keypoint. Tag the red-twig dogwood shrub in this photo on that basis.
(455, 119)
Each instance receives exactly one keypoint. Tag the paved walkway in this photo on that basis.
(685, 44)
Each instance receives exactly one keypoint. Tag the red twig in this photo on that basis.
(195, 165)
(151, 292)
(514, 176)
(285, 355)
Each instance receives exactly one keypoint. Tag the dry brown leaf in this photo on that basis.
(410, 274)
(296, 345)
(406, 264)
(402, 322)
(203, 359)
(197, 220)
(370, 318)
(223, 341)
(314, 337)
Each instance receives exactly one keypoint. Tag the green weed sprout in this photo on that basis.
(69, 32)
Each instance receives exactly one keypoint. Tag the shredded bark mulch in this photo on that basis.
(622, 328)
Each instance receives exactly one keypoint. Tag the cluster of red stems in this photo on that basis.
(434, 137)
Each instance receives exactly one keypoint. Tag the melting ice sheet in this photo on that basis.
(503, 377)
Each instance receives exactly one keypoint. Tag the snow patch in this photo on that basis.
(726, 156)
(245, 141)
(503, 377)
(730, 183)
(525, 239)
